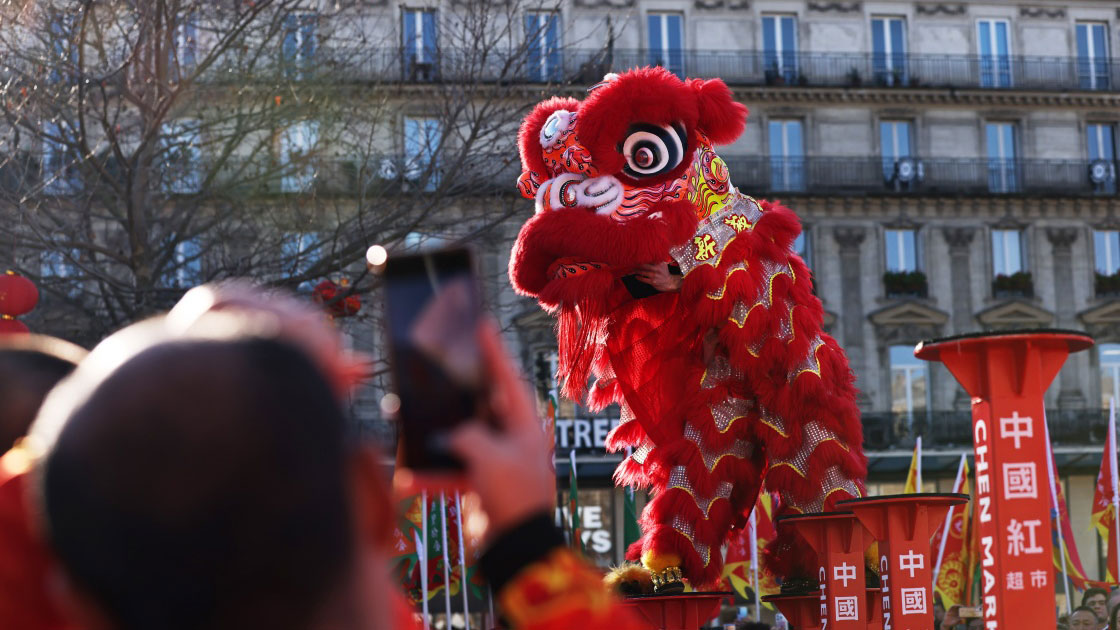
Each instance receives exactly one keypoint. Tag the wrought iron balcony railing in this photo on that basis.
(886, 430)
(736, 67)
(496, 173)
(952, 176)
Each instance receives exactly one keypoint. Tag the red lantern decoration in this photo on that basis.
(18, 295)
(10, 326)
(327, 292)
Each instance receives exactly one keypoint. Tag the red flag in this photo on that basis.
(1104, 513)
(737, 567)
(952, 545)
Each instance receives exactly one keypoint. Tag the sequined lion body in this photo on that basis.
(726, 386)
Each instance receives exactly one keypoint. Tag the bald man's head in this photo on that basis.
(30, 365)
(200, 484)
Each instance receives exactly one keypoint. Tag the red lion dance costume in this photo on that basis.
(723, 385)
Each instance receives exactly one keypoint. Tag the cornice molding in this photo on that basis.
(1094, 210)
(926, 97)
(838, 7)
(1052, 13)
(734, 5)
(950, 9)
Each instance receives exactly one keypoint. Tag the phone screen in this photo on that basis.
(433, 310)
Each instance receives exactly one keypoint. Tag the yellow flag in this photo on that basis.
(914, 477)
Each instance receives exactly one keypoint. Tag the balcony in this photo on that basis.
(888, 430)
(743, 68)
(835, 175)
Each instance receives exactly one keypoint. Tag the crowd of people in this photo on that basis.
(197, 471)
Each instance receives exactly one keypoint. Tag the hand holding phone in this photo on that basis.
(432, 316)
(507, 461)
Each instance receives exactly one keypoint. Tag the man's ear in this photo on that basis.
(75, 605)
(721, 118)
(374, 512)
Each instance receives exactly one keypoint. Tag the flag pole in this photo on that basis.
(1115, 480)
(754, 563)
(446, 556)
(918, 475)
(957, 485)
(1053, 474)
(422, 551)
(462, 560)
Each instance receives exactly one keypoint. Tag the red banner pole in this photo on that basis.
(1006, 375)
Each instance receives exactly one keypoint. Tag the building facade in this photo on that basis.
(954, 166)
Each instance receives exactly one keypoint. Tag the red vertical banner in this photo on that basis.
(1006, 375)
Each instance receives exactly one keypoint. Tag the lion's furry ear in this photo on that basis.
(721, 118)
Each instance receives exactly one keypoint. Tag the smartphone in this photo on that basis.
(433, 308)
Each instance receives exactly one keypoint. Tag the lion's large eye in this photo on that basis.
(651, 150)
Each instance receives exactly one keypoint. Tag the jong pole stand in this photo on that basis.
(1006, 375)
(839, 541)
(683, 611)
(903, 525)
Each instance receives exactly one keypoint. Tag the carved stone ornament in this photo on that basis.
(1053, 13)
(1103, 322)
(958, 237)
(908, 322)
(736, 5)
(849, 237)
(1014, 315)
(942, 9)
(839, 7)
(1061, 238)
(604, 4)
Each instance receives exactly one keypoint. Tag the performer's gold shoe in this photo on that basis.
(668, 581)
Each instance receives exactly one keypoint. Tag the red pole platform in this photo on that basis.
(839, 541)
(686, 611)
(903, 525)
(802, 611)
(1006, 375)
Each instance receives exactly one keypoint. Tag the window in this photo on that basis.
(542, 36)
(60, 168)
(297, 144)
(787, 156)
(299, 44)
(1101, 141)
(902, 249)
(1110, 372)
(1007, 252)
(182, 156)
(779, 48)
(995, 53)
(894, 142)
(419, 39)
(801, 246)
(300, 252)
(64, 48)
(666, 41)
(888, 50)
(909, 382)
(184, 52)
(186, 270)
(422, 138)
(1106, 251)
(1002, 175)
(59, 268)
(1092, 55)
